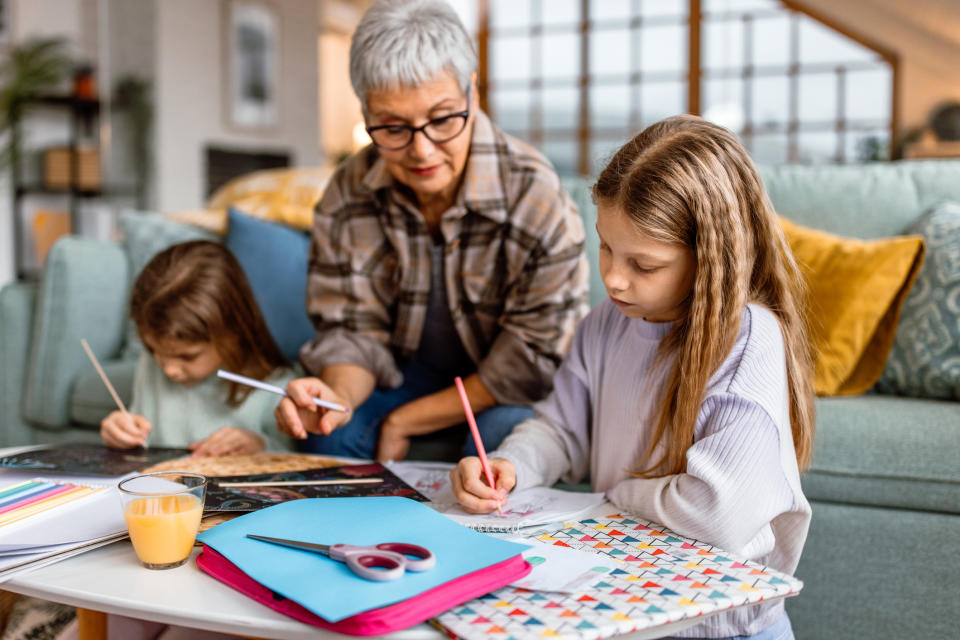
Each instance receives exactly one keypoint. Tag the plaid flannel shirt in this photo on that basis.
(516, 272)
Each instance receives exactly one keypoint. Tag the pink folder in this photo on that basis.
(394, 617)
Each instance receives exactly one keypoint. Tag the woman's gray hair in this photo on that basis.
(404, 43)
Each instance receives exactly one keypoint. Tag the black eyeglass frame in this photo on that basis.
(423, 128)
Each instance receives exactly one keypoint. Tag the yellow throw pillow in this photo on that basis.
(214, 220)
(855, 290)
(286, 196)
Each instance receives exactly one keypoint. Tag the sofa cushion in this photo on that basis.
(274, 259)
(886, 451)
(579, 190)
(145, 235)
(90, 402)
(861, 201)
(876, 574)
(855, 291)
(925, 359)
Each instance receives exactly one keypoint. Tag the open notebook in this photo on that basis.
(527, 508)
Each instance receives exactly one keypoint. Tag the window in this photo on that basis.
(576, 78)
(792, 88)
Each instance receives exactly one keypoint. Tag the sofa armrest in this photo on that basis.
(82, 294)
(16, 320)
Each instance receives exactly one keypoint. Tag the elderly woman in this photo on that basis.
(446, 248)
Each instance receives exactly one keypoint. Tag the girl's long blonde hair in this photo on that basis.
(686, 181)
(197, 292)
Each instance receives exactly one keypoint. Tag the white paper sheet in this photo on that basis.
(526, 508)
(14, 565)
(561, 569)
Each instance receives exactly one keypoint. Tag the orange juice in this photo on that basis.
(163, 528)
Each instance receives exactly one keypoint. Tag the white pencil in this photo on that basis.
(301, 483)
(257, 384)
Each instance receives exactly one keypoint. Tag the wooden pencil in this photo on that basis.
(301, 483)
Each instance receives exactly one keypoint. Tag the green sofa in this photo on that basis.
(885, 481)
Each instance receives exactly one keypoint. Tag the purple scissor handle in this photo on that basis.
(382, 562)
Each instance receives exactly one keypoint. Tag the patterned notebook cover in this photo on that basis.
(91, 459)
(662, 578)
(221, 498)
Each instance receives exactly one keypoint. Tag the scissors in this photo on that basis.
(382, 562)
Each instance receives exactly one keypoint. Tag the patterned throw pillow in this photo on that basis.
(925, 359)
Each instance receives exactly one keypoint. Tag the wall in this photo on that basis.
(339, 106)
(128, 51)
(926, 36)
(190, 109)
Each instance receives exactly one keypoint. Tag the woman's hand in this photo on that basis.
(394, 442)
(297, 414)
(398, 427)
(229, 441)
(122, 430)
(471, 488)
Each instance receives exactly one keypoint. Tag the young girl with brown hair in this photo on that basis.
(687, 396)
(195, 313)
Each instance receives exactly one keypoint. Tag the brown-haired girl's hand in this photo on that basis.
(297, 414)
(471, 488)
(122, 430)
(229, 441)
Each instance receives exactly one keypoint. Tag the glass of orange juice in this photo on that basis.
(163, 511)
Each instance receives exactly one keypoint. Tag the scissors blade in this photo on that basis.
(294, 544)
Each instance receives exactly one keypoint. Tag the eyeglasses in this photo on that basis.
(397, 136)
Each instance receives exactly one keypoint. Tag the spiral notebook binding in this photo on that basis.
(496, 528)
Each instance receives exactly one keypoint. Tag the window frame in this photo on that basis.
(694, 76)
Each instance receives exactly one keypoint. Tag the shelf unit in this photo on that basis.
(83, 114)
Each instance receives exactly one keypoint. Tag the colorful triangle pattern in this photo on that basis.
(702, 579)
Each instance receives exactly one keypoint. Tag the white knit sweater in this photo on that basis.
(741, 490)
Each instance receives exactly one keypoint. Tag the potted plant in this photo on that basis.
(34, 68)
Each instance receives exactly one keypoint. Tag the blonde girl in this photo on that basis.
(195, 313)
(686, 395)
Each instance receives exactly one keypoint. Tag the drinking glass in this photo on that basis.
(163, 511)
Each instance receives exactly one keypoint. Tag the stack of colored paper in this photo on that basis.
(24, 499)
(43, 520)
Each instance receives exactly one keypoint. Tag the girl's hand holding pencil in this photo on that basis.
(121, 429)
(472, 490)
(124, 430)
(500, 493)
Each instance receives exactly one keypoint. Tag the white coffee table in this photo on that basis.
(110, 580)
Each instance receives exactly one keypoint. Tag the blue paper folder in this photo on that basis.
(329, 588)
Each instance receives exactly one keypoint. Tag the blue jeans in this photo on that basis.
(779, 630)
(358, 438)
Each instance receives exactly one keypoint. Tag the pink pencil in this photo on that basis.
(476, 435)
